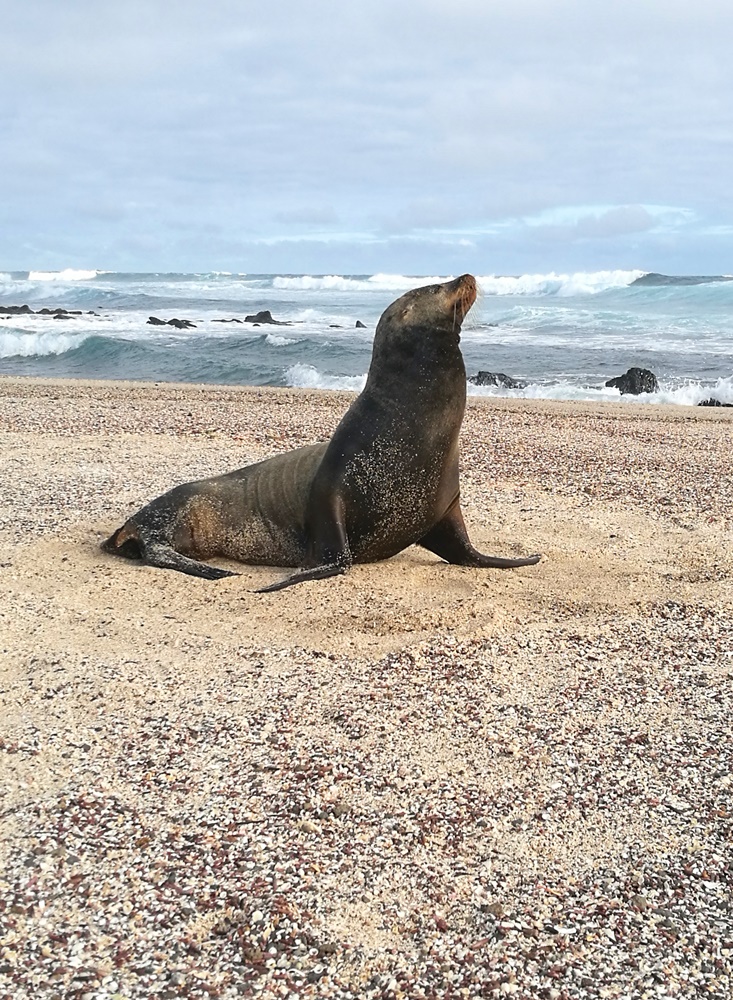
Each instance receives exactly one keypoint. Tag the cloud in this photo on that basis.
(307, 215)
(401, 125)
(602, 224)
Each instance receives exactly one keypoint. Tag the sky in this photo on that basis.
(398, 136)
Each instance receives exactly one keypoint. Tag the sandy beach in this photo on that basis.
(417, 780)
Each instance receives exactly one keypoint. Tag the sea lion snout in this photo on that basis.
(462, 292)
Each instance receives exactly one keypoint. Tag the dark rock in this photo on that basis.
(45, 311)
(634, 382)
(335, 326)
(265, 316)
(234, 320)
(59, 314)
(713, 402)
(496, 378)
(359, 325)
(16, 310)
(179, 324)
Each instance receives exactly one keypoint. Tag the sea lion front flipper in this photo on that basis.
(328, 547)
(315, 573)
(449, 540)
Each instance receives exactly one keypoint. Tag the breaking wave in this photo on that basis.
(579, 283)
(277, 341)
(686, 393)
(19, 344)
(68, 274)
(355, 283)
(302, 376)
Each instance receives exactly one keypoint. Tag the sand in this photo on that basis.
(415, 780)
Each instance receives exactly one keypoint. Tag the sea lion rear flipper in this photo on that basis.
(133, 541)
(449, 540)
(163, 556)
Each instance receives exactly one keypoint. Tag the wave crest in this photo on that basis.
(16, 344)
(579, 283)
(278, 341)
(68, 274)
(302, 376)
(358, 283)
(688, 393)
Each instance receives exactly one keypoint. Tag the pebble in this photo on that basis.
(540, 809)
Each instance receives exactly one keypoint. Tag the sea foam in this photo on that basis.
(302, 376)
(68, 274)
(579, 283)
(689, 393)
(16, 344)
(277, 341)
(337, 282)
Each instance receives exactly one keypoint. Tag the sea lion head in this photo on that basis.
(440, 308)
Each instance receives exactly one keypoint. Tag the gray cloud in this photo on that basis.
(125, 126)
(602, 225)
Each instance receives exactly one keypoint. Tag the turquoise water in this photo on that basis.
(561, 334)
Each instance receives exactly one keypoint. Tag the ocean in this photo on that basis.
(562, 335)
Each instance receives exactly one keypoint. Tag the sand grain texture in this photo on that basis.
(416, 780)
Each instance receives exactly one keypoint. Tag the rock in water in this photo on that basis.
(265, 316)
(634, 382)
(496, 378)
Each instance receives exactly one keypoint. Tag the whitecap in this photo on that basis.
(688, 394)
(337, 282)
(277, 341)
(68, 274)
(302, 376)
(579, 283)
(17, 344)
(549, 390)
(692, 393)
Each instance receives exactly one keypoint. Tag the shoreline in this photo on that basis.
(33, 385)
(416, 777)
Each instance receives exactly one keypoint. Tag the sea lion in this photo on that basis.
(388, 478)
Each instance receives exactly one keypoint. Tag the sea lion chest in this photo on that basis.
(390, 470)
